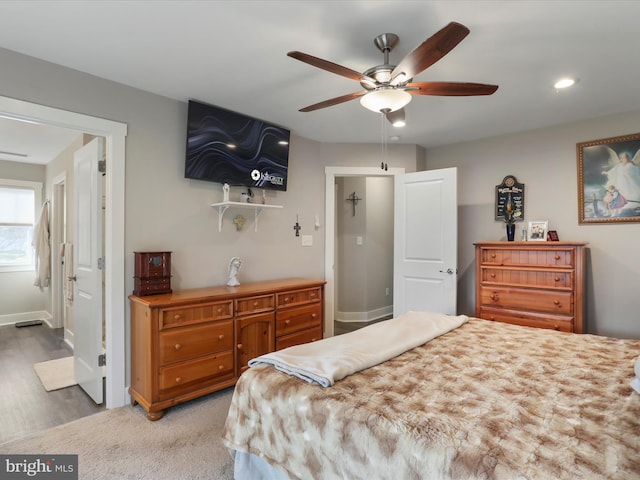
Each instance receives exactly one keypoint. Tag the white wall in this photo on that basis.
(545, 161)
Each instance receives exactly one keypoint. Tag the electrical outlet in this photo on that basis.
(387, 291)
(359, 240)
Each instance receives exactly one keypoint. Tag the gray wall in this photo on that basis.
(545, 161)
(166, 211)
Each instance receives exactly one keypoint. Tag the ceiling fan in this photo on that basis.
(388, 88)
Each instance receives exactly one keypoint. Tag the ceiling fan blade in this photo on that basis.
(329, 66)
(429, 52)
(333, 101)
(452, 89)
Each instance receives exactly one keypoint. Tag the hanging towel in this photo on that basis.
(67, 248)
(42, 248)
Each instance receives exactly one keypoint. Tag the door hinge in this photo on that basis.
(102, 360)
(101, 263)
(102, 166)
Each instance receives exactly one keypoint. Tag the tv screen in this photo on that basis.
(228, 147)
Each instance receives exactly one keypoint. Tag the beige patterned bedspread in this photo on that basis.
(485, 401)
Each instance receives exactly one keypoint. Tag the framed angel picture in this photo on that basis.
(609, 180)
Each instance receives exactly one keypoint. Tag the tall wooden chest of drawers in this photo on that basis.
(536, 284)
(193, 342)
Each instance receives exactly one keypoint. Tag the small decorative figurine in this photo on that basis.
(234, 266)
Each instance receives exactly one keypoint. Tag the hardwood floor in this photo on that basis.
(25, 406)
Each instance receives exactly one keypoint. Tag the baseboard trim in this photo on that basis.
(13, 318)
(353, 317)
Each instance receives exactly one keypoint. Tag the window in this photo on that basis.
(19, 201)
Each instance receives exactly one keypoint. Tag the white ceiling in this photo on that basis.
(233, 54)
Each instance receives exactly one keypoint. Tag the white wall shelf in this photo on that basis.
(256, 207)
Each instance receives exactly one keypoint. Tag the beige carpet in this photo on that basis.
(122, 444)
(56, 374)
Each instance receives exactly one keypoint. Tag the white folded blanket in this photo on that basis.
(332, 359)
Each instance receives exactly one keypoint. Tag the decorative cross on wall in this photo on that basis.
(297, 227)
(354, 199)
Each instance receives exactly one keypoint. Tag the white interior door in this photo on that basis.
(87, 299)
(425, 242)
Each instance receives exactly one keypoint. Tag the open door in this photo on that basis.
(87, 253)
(425, 242)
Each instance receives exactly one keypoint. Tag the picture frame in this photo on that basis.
(552, 236)
(537, 231)
(609, 180)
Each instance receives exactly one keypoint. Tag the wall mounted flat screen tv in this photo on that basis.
(228, 147)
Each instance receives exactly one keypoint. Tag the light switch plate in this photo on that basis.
(307, 240)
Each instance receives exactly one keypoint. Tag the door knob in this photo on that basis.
(448, 270)
(72, 278)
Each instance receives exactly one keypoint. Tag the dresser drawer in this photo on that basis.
(299, 318)
(204, 312)
(178, 344)
(547, 278)
(298, 338)
(298, 297)
(249, 305)
(557, 302)
(151, 286)
(562, 324)
(195, 370)
(519, 257)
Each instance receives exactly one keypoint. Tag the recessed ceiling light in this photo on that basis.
(564, 83)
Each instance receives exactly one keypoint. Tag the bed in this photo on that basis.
(486, 400)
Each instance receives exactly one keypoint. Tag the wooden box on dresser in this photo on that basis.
(193, 342)
(536, 284)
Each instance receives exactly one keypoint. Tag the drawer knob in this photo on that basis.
(178, 346)
(493, 255)
(556, 279)
(493, 275)
(255, 304)
(312, 294)
(220, 337)
(178, 379)
(287, 322)
(556, 302)
(556, 327)
(220, 367)
(240, 346)
(313, 315)
(492, 318)
(177, 316)
(557, 257)
(495, 297)
(219, 310)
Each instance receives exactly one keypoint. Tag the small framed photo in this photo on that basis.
(552, 236)
(537, 231)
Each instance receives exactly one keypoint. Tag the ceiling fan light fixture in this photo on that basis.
(390, 99)
(397, 118)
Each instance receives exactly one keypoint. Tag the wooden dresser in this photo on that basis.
(536, 284)
(193, 342)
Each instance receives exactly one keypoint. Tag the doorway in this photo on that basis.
(331, 260)
(115, 312)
